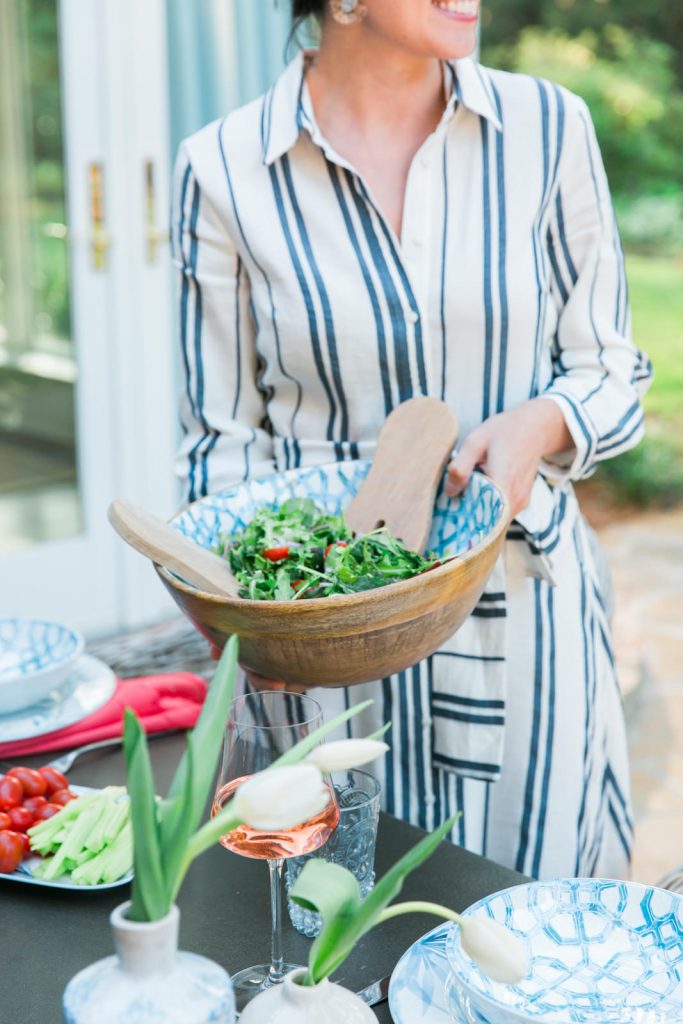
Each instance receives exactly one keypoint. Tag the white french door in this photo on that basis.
(86, 350)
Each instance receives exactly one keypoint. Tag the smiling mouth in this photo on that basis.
(462, 10)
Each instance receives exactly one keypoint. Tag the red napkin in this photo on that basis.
(162, 703)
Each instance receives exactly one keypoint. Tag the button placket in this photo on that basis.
(415, 248)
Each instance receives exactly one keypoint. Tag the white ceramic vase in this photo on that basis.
(149, 981)
(290, 1003)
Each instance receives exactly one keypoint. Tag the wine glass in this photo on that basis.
(261, 727)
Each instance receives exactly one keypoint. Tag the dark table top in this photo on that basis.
(48, 935)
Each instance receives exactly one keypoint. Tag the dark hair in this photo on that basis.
(302, 9)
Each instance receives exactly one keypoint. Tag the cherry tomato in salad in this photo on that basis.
(54, 779)
(48, 811)
(276, 554)
(32, 803)
(62, 796)
(11, 851)
(32, 782)
(4, 820)
(11, 793)
(21, 819)
(26, 843)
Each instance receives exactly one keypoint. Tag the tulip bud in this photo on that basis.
(280, 798)
(496, 951)
(342, 755)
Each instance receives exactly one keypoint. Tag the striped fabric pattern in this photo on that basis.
(304, 320)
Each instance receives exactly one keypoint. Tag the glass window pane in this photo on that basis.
(39, 497)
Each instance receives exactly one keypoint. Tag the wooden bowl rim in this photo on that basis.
(348, 600)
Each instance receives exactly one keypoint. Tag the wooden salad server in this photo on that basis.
(165, 546)
(413, 448)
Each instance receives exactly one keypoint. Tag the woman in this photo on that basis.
(392, 219)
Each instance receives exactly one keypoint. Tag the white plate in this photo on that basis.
(23, 873)
(422, 989)
(88, 686)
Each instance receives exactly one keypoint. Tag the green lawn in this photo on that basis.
(652, 474)
(657, 302)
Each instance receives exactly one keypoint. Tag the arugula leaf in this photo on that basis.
(321, 558)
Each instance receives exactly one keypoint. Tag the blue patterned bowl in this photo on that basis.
(601, 951)
(346, 638)
(35, 657)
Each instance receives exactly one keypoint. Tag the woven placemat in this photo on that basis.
(170, 646)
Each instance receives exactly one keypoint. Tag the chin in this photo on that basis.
(453, 33)
(463, 46)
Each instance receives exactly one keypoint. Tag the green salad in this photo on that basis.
(297, 551)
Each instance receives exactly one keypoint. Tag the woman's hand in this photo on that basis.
(258, 682)
(508, 447)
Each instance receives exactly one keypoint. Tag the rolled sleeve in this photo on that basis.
(599, 376)
(222, 410)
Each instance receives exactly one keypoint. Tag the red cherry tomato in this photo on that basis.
(54, 779)
(276, 554)
(62, 796)
(32, 782)
(11, 851)
(11, 793)
(27, 851)
(21, 818)
(4, 821)
(32, 803)
(336, 544)
(47, 811)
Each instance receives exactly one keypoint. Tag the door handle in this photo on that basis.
(100, 241)
(154, 236)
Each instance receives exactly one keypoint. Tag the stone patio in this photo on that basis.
(646, 558)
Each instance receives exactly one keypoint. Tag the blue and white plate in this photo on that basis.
(88, 686)
(601, 951)
(423, 990)
(35, 657)
(458, 524)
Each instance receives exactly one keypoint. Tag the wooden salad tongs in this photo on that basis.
(165, 546)
(413, 448)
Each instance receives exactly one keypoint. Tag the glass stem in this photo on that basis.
(276, 973)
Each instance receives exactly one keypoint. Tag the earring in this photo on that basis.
(346, 12)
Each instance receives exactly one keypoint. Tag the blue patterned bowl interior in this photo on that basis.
(29, 647)
(601, 951)
(458, 525)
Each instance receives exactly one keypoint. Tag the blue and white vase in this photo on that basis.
(148, 981)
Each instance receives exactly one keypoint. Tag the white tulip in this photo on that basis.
(281, 798)
(342, 755)
(495, 950)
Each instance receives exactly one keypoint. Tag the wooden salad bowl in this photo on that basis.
(346, 638)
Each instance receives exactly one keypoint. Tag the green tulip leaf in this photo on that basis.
(298, 752)
(149, 896)
(327, 888)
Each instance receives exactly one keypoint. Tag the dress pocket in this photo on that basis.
(468, 687)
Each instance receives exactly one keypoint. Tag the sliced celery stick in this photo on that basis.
(108, 825)
(74, 841)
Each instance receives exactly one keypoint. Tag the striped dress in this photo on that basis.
(304, 320)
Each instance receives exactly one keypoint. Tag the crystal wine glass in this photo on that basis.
(261, 727)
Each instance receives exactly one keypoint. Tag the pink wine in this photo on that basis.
(293, 842)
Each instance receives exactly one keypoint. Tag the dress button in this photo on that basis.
(424, 161)
(411, 316)
(416, 242)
